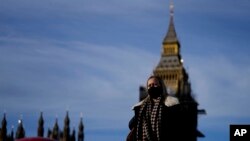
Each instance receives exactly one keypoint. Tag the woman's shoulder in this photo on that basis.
(138, 104)
(168, 101)
(171, 101)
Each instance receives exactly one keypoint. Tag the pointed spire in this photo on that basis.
(55, 132)
(171, 36)
(66, 130)
(4, 121)
(73, 136)
(12, 133)
(66, 120)
(20, 133)
(3, 131)
(81, 129)
(40, 130)
(41, 121)
(81, 126)
(171, 8)
(49, 133)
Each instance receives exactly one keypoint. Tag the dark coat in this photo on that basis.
(174, 125)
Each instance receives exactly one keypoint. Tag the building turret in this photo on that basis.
(73, 136)
(81, 131)
(3, 132)
(56, 131)
(40, 130)
(20, 133)
(11, 137)
(66, 129)
(49, 133)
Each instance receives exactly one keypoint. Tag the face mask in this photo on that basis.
(155, 92)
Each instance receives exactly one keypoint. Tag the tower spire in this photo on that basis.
(171, 8)
(81, 129)
(56, 131)
(171, 36)
(40, 130)
(66, 130)
(20, 133)
(3, 131)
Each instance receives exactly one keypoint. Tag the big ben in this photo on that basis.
(170, 67)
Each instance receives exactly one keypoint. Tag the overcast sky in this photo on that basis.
(91, 56)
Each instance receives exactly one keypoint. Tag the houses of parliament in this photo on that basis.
(55, 134)
(170, 68)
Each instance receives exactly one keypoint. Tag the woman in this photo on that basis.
(158, 117)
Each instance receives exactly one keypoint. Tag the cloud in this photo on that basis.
(213, 9)
(100, 81)
(78, 9)
(220, 85)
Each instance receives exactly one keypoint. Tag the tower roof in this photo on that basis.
(171, 36)
(4, 121)
(81, 126)
(67, 120)
(41, 121)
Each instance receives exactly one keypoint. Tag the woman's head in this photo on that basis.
(155, 87)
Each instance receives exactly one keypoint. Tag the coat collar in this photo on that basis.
(169, 101)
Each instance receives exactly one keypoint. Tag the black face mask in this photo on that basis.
(155, 92)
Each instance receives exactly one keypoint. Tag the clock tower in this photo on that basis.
(170, 67)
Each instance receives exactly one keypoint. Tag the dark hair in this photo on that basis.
(157, 78)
